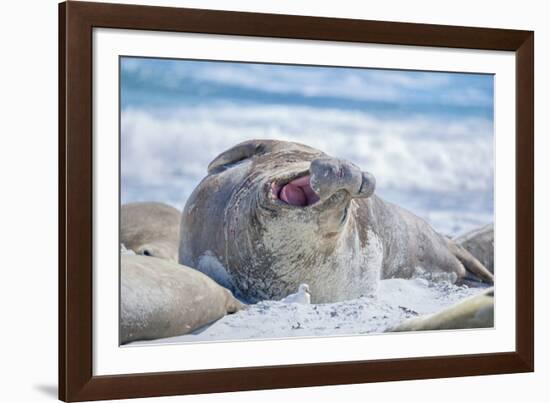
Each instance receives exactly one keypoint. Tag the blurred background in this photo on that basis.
(426, 136)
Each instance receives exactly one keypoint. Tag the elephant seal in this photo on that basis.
(150, 229)
(480, 243)
(271, 215)
(159, 298)
(474, 312)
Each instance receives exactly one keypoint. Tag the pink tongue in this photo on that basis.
(293, 195)
(298, 192)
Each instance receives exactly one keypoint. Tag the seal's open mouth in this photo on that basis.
(297, 192)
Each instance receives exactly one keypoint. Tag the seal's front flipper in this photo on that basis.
(475, 271)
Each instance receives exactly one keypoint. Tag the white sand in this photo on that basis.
(397, 300)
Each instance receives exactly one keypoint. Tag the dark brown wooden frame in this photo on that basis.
(76, 22)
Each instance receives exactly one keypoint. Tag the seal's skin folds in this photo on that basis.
(271, 215)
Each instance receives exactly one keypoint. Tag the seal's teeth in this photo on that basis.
(275, 189)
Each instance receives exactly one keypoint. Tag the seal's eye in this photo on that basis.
(146, 253)
(235, 155)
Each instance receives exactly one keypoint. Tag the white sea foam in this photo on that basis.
(417, 161)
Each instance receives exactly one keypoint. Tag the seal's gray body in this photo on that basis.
(163, 299)
(150, 229)
(239, 232)
(480, 243)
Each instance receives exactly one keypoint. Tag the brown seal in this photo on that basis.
(150, 229)
(159, 298)
(474, 312)
(480, 243)
(271, 215)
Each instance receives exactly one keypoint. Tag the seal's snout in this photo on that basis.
(330, 175)
(326, 176)
(368, 184)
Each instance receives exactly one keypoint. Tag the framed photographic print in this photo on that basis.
(253, 201)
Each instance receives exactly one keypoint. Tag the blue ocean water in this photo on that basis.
(426, 136)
